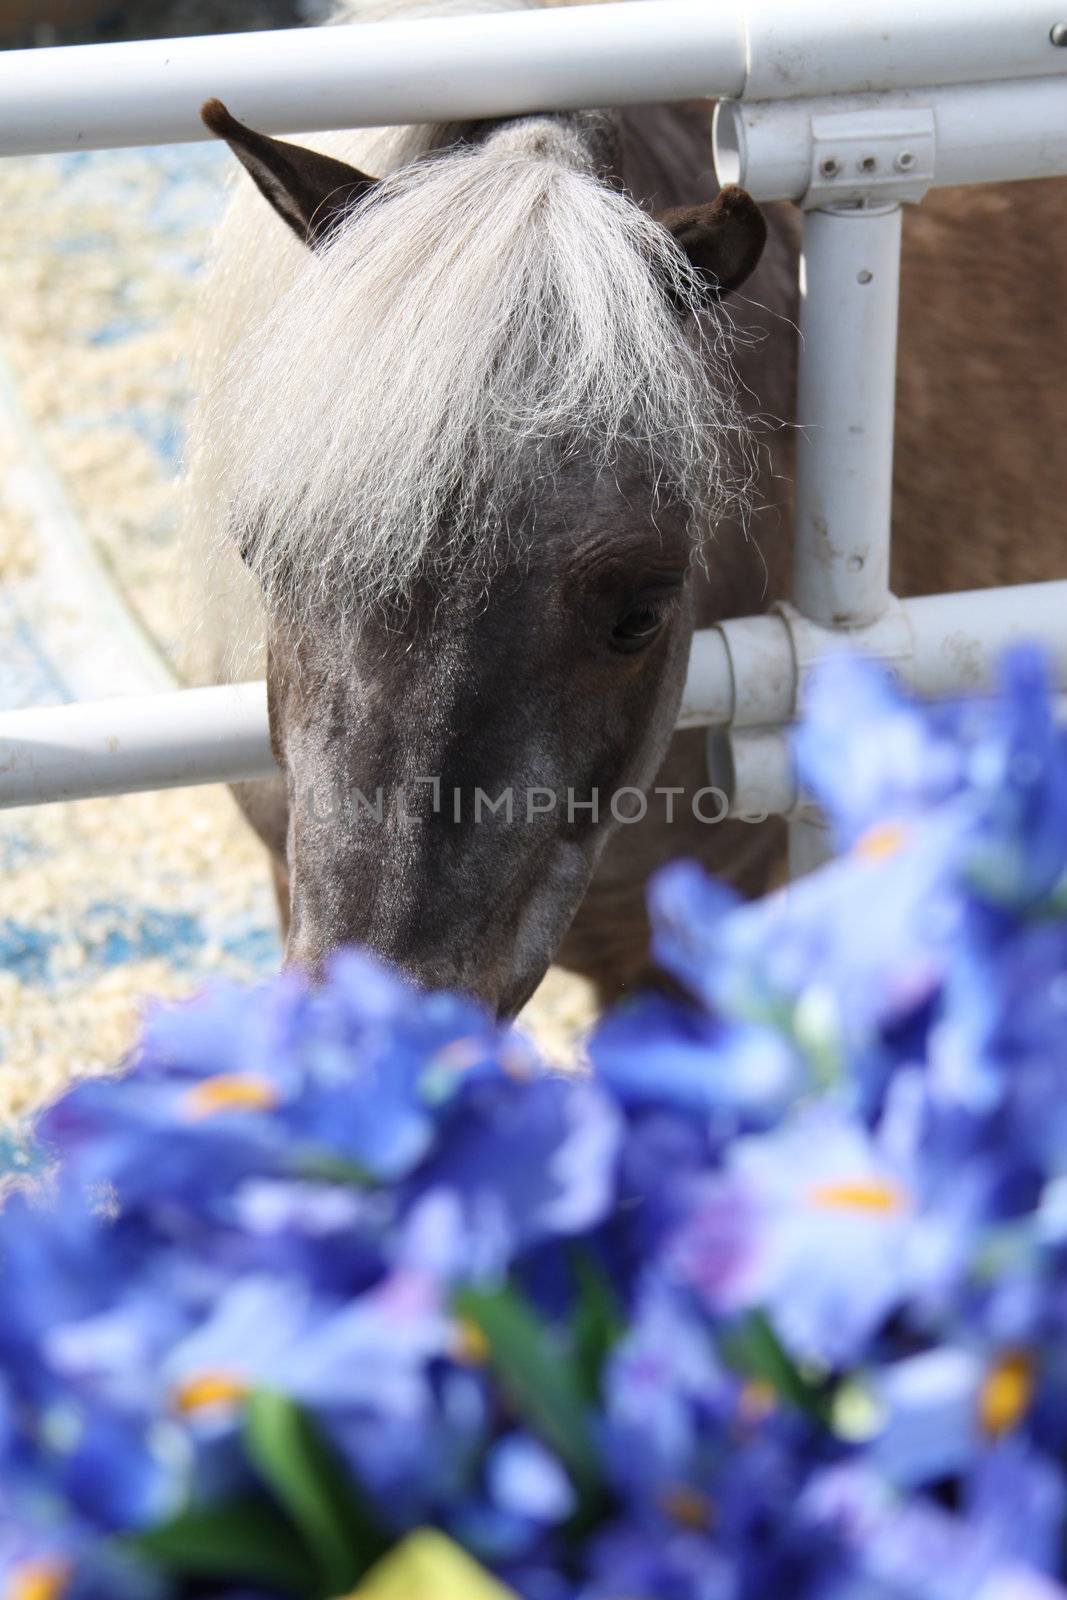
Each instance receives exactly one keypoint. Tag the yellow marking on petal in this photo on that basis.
(687, 1507)
(230, 1091)
(758, 1399)
(1006, 1392)
(875, 1195)
(879, 843)
(209, 1389)
(470, 1346)
(38, 1580)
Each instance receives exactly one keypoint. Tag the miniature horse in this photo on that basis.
(473, 456)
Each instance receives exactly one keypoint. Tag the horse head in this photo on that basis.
(481, 442)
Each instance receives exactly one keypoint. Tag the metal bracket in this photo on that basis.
(871, 157)
(888, 640)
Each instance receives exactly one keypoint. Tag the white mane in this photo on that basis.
(395, 404)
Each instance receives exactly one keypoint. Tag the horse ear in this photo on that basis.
(723, 240)
(311, 191)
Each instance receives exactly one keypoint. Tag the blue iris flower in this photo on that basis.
(69, 1568)
(666, 1401)
(937, 1413)
(812, 964)
(523, 1162)
(890, 1547)
(1017, 770)
(383, 1065)
(816, 1224)
(868, 755)
(775, 1298)
(526, 1496)
(659, 1052)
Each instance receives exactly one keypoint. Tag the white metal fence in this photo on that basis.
(850, 110)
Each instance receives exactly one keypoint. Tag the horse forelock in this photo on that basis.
(489, 312)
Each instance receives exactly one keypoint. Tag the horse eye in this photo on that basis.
(639, 625)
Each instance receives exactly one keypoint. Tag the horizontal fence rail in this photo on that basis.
(743, 675)
(749, 672)
(849, 110)
(978, 133)
(129, 744)
(86, 97)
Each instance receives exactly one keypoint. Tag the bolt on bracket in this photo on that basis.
(871, 157)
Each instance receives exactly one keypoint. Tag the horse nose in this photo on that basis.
(485, 981)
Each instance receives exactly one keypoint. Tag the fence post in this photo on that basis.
(849, 291)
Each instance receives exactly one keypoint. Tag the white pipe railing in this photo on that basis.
(746, 680)
(367, 75)
(129, 744)
(982, 133)
(749, 672)
(87, 97)
(848, 109)
(846, 388)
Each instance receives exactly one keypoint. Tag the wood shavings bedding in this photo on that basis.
(107, 903)
(97, 271)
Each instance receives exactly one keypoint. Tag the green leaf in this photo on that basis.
(248, 1540)
(304, 1474)
(758, 1352)
(597, 1324)
(428, 1566)
(322, 1166)
(544, 1389)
